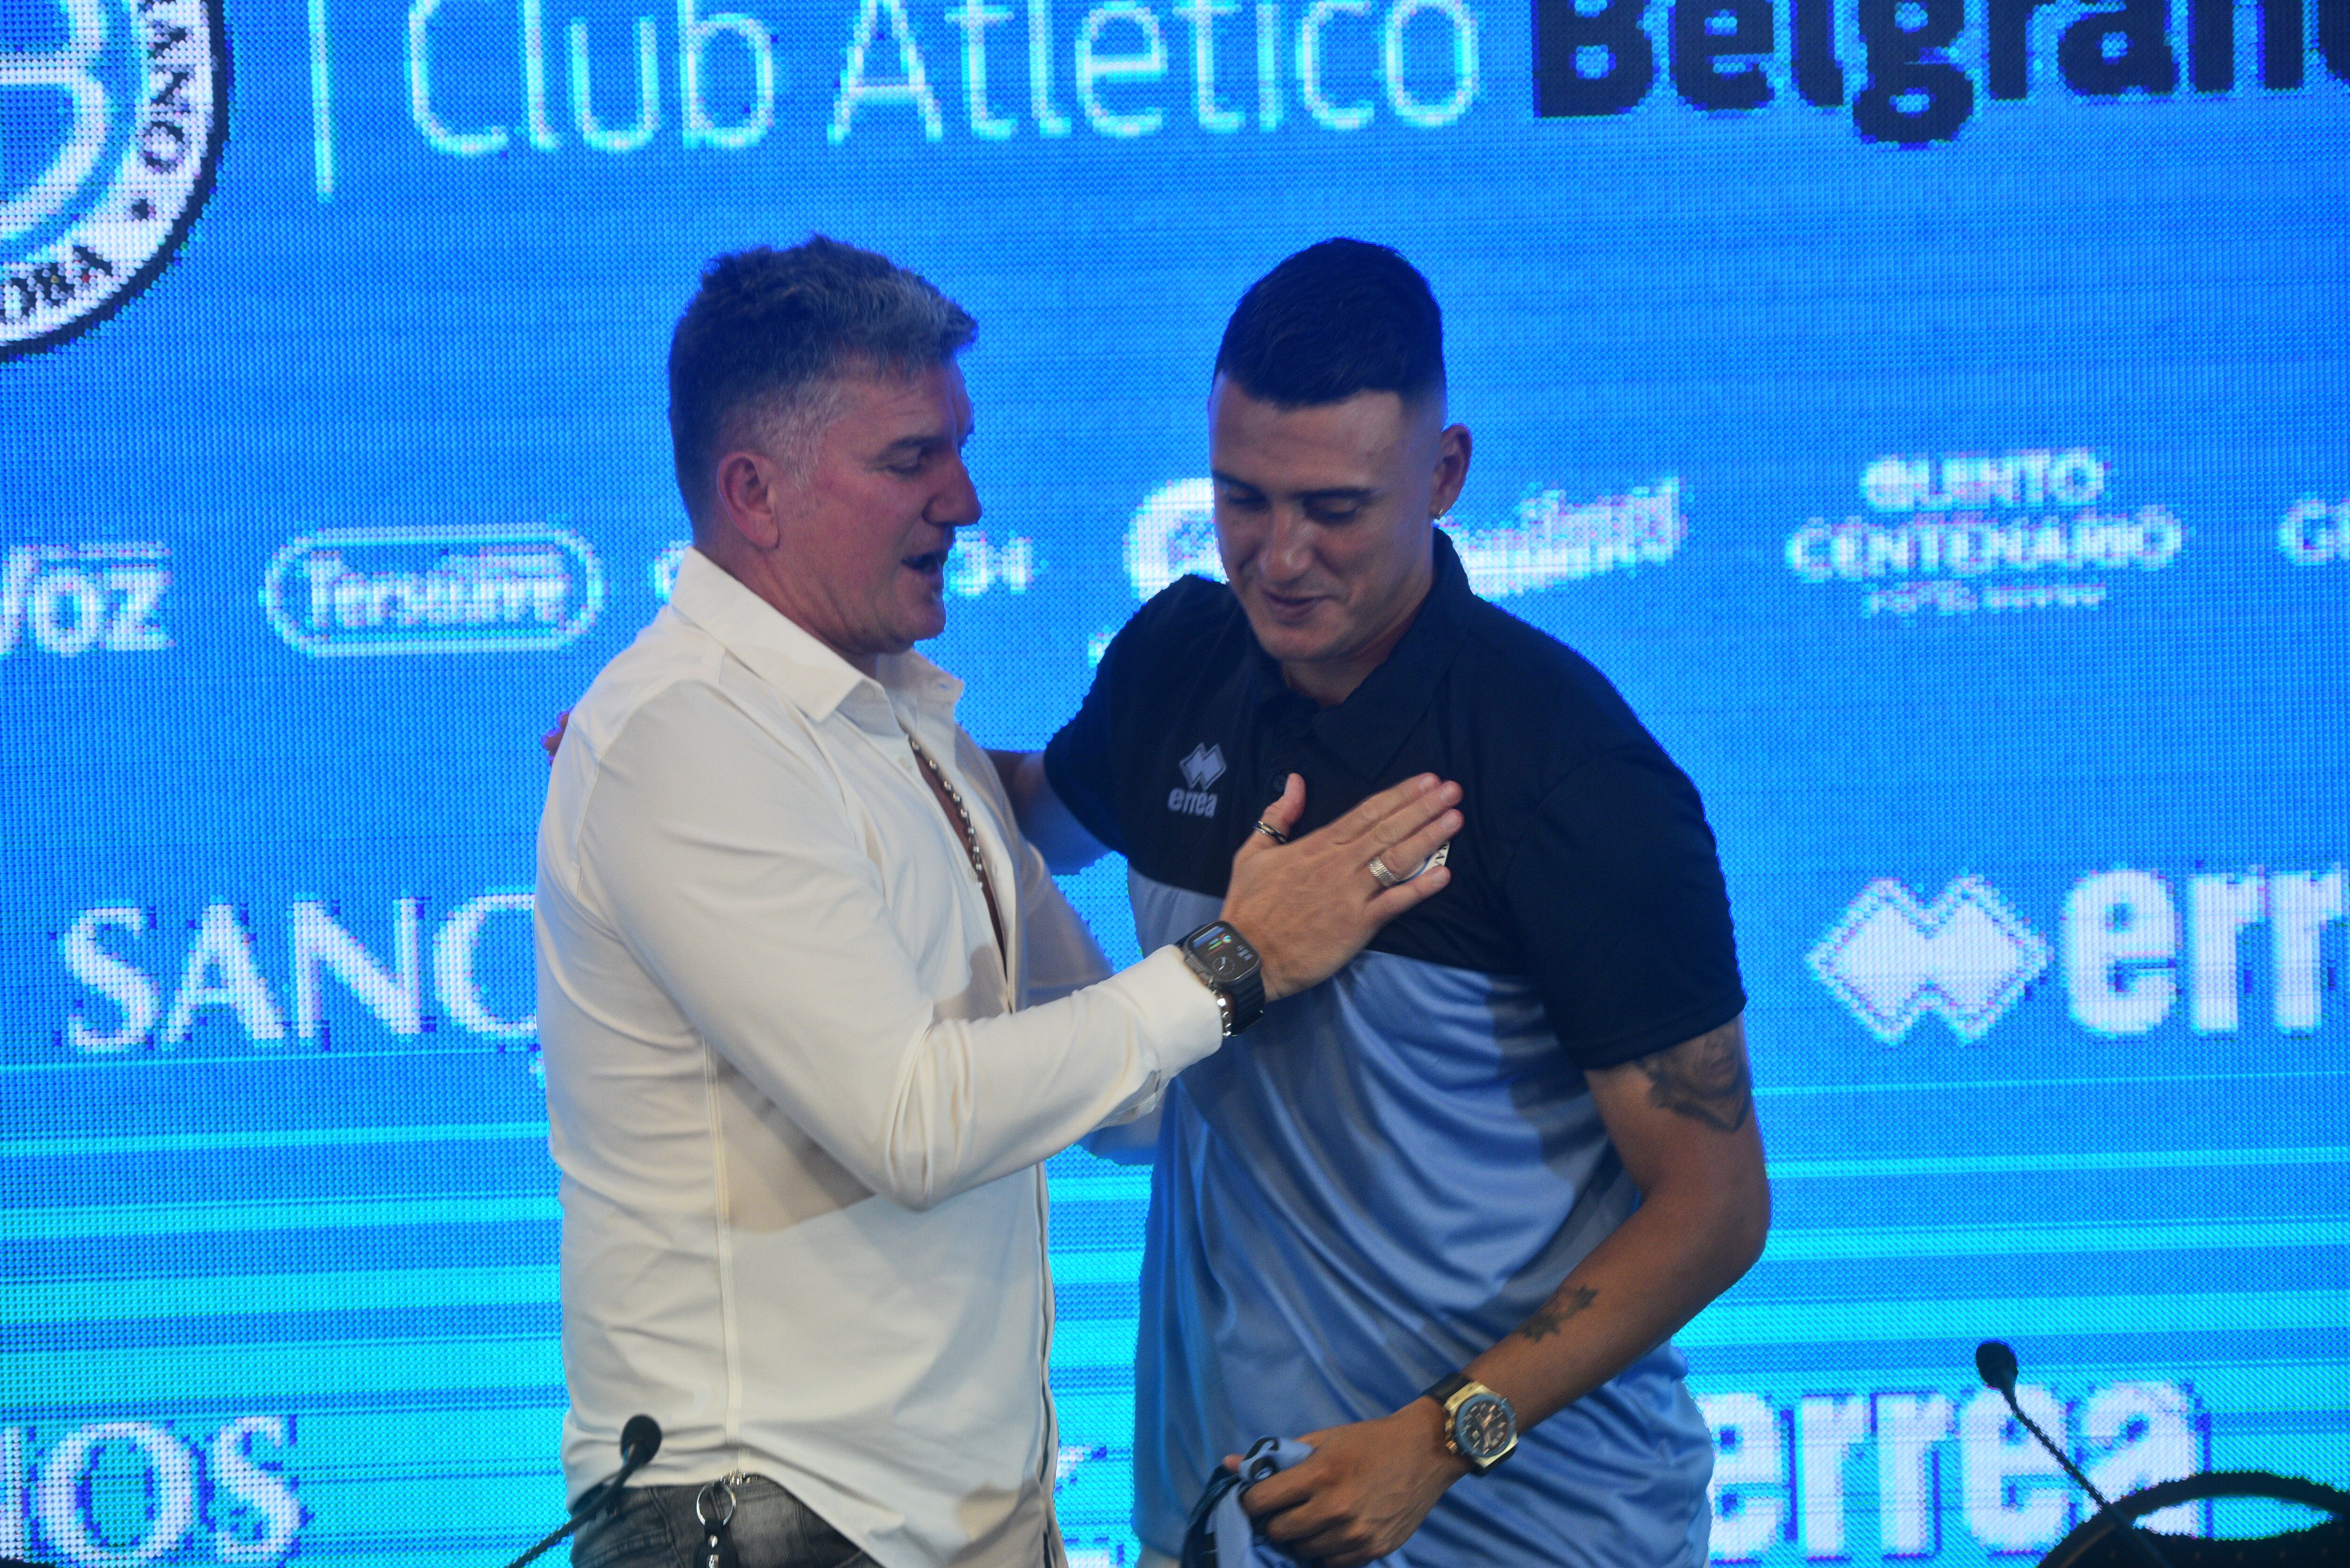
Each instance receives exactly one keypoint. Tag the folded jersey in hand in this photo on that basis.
(1220, 1533)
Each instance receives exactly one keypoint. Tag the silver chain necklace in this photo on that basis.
(962, 812)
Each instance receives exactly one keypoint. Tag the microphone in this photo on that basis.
(1996, 1365)
(641, 1439)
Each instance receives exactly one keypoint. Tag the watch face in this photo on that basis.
(1483, 1427)
(1223, 955)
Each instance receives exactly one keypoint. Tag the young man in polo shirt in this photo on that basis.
(1442, 1213)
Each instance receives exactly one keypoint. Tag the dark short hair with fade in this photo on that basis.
(763, 345)
(1336, 319)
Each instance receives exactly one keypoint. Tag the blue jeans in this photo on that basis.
(656, 1528)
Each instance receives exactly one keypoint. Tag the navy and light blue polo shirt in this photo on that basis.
(1394, 1169)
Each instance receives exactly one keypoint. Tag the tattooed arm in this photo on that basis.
(1683, 1120)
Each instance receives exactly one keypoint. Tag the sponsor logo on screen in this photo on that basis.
(2315, 532)
(1554, 538)
(402, 973)
(1966, 956)
(1075, 1456)
(1560, 538)
(344, 592)
(1970, 532)
(72, 600)
(1173, 535)
(1897, 64)
(112, 1492)
(1780, 1469)
(1122, 69)
(976, 566)
(2132, 947)
(664, 572)
(114, 114)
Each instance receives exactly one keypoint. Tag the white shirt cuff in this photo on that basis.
(1186, 1022)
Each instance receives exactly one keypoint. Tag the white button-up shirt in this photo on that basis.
(796, 1098)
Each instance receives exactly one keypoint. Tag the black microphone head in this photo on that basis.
(640, 1440)
(1995, 1361)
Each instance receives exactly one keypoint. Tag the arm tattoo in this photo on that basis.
(1704, 1079)
(1551, 1316)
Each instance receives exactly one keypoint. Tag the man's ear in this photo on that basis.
(748, 487)
(1451, 467)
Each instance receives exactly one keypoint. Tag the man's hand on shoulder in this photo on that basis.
(1362, 1492)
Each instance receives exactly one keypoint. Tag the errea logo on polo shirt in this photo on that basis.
(1202, 767)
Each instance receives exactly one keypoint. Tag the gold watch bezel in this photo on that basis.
(1470, 1390)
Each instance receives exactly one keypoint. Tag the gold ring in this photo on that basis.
(1388, 878)
(1271, 832)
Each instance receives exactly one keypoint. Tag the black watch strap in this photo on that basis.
(1240, 987)
(1445, 1387)
(1247, 995)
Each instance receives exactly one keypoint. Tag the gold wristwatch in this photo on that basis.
(1479, 1424)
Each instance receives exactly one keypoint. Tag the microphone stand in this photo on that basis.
(639, 1441)
(1996, 1364)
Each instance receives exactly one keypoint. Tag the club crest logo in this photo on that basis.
(113, 113)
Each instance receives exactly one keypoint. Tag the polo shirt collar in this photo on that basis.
(1369, 727)
(811, 676)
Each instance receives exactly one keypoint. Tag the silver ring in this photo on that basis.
(1388, 878)
(725, 1492)
(1271, 832)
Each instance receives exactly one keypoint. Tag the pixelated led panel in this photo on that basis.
(1928, 414)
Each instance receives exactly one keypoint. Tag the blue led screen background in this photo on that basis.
(1929, 413)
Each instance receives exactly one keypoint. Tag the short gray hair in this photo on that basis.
(764, 344)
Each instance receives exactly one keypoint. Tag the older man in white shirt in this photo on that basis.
(812, 1011)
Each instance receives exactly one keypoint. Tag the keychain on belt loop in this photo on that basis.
(713, 1507)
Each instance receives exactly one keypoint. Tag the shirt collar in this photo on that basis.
(809, 675)
(1369, 727)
